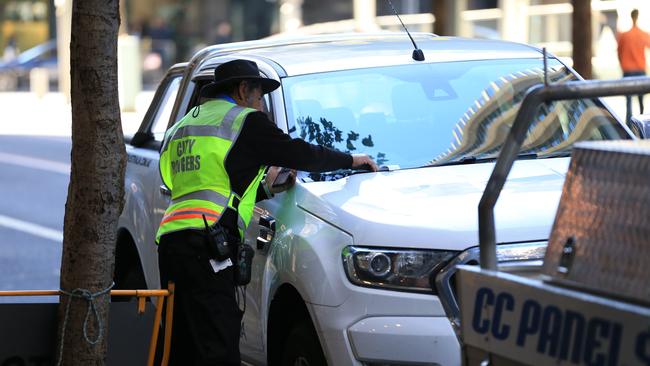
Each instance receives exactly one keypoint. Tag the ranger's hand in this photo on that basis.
(280, 179)
(363, 162)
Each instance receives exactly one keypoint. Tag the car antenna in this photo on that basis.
(418, 55)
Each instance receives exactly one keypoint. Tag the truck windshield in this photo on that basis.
(440, 113)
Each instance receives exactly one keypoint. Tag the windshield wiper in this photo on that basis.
(342, 173)
(366, 169)
(473, 159)
(562, 154)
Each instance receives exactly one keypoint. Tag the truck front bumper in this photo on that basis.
(412, 340)
(377, 327)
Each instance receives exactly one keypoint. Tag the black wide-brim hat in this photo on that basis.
(231, 72)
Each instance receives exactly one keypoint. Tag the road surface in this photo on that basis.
(34, 175)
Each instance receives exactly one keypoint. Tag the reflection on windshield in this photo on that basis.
(486, 124)
(440, 113)
(324, 133)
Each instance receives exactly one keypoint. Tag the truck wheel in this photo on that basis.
(128, 273)
(302, 347)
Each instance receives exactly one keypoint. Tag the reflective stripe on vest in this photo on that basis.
(211, 196)
(185, 213)
(205, 195)
(224, 130)
(192, 166)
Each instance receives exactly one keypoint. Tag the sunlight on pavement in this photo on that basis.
(34, 163)
(26, 114)
(31, 228)
(617, 104)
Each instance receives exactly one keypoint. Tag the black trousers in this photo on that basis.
(207, 319)
(628, 113)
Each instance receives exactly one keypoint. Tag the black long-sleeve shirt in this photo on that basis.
(261, 142)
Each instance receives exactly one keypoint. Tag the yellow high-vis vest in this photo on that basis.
(193, 167)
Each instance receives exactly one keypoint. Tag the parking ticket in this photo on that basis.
(218, 266)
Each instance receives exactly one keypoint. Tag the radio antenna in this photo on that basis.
(418, 55)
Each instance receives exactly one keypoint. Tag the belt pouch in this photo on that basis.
(216, 240)
(244, 265)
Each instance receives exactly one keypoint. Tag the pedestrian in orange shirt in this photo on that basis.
(631, 54)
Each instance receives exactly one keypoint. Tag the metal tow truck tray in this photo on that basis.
(590, 305)
(526, 321)
(601, 239)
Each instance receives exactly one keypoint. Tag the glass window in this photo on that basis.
(432, 114)
(486, 28)
(482, 4)
(26, 11)
(165, 108)
(550, 28)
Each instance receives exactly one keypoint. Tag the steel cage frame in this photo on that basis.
(534, 98)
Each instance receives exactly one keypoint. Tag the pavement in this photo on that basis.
(24, 113)
(617, 105)
(34, 174)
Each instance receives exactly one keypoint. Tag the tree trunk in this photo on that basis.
(581, 37)
(440, 13)
(96, 190)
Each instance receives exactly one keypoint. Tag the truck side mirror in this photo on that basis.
(640, 125)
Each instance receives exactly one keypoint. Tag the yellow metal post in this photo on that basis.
(141, 301)
(154, 333)
(141, 295)
(169, 316)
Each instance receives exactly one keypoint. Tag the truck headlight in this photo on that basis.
(395, 269)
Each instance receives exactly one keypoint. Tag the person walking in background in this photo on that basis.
(11, 49)
(222, 34)
(631, 55)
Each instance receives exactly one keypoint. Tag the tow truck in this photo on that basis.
(590, 305)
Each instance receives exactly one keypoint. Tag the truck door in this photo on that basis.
(145, 153)
(252, 339)
(162, 195)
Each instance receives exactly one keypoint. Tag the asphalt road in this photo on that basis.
(34, 175)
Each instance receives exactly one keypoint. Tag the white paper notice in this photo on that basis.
(218, 266)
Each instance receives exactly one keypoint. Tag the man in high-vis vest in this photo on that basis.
(214, 161)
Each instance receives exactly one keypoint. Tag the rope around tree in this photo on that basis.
(90, 299)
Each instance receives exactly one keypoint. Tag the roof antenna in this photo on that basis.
(418, 55)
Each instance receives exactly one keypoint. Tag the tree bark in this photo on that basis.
(96, 189)
(440, 13)
(581, 37)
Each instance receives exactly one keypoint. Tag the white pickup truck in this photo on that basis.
(358, 268)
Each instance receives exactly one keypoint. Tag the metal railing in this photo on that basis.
(142, 296)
